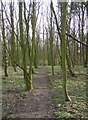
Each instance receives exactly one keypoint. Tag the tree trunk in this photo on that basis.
(13, 52)
(51, 44)
(68, 57)
(33, 44)
(63, 50)
(86, 63)
(82, 37)
(23, 49)
(4, 45)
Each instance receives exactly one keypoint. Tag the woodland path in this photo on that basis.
(36, 104)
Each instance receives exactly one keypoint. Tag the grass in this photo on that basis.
(56, 69)
(14, 84)
(15, 80)
(76, 108)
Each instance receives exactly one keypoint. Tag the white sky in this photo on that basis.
(44, 5)
(43, 8)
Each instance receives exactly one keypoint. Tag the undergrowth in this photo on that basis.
(76, 108)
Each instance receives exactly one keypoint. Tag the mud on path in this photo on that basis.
(36, 104)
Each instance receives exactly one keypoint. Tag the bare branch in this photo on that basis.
(58, 29)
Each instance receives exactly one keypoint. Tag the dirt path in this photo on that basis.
(38, 103)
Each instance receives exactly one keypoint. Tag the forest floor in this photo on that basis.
(77, 90)
(47, 98)
(35, 104)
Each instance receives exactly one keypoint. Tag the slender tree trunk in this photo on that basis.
(18, 47)
(86, 63)
(87, 59)
(63, 50)
(43, 37)
(27, 31)
(58, 50)
(63, 46)
(69, 60)
(33, 35)
(13, 52)
(33, 43)
(23, 49)
(4, 44)
(82, 37)
(51, 44)
(35, 57)
(68, 53)
(74, 44)
(79, 35)
(36, 53)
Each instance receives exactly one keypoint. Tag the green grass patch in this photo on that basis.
(56, 69)
(76, 108)
(63, 115)
(15, 80)
(80, 69)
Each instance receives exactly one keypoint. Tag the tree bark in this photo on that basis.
(4, 44)
(23, 49)
(51, 43)
(63, 50)
(12, 36)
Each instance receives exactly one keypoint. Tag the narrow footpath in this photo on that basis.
(37, 104)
